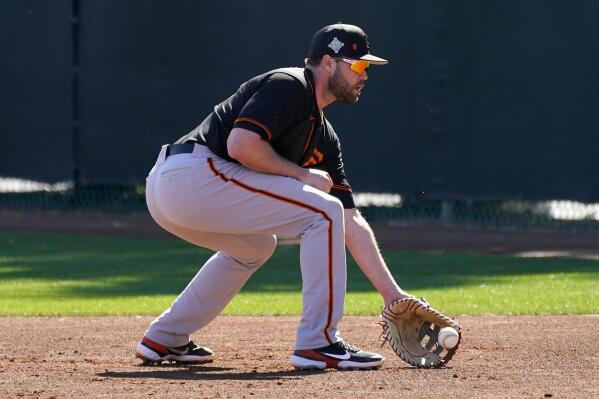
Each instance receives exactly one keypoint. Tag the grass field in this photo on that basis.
(45, 274)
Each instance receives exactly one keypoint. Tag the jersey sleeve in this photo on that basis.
(277, 104)
(341, 188)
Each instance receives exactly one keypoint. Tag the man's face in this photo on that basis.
(345, 84)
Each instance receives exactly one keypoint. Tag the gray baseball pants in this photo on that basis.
(239, 213)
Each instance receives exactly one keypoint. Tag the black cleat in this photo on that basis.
(340, 355)
(153, 353)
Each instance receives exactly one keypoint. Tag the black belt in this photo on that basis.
(174, 149)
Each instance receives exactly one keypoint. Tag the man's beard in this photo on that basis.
(342, 90)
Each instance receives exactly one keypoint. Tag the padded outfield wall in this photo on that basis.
(481, 100)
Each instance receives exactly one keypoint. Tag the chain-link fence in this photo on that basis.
(396, 208)
(490, 213)
(64, 196)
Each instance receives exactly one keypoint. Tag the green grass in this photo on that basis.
(45, 274)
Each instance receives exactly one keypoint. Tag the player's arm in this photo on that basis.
(361, 242)
(257, 154)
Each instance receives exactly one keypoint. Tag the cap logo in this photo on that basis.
(335, 45)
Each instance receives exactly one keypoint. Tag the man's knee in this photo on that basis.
(256, 251)
(333, 208)
(329, 214)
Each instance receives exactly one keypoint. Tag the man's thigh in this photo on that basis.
(227, 200)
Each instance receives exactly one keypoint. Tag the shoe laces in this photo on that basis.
(348, 347)
(191, 346)
(184, 349)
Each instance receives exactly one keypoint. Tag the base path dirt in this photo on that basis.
(84, 357)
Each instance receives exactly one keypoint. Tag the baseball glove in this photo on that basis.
(411, 327)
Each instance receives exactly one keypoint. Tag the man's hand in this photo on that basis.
(318, 179)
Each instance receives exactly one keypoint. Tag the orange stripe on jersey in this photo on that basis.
(340, 187)
(301, 205)
(255, 122)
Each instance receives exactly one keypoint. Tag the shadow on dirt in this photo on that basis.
(207, 373)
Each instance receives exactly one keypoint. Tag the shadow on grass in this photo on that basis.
(114, 266)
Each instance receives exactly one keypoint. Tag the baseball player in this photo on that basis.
(266, 164)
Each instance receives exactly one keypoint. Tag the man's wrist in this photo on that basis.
(394, 295)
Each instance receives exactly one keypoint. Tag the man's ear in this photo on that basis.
(329, 64)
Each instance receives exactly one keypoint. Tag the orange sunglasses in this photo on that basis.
(358, 66)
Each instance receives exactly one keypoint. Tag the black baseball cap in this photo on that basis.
(342, 40)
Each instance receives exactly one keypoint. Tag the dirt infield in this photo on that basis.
(520, 356)
(524, 356)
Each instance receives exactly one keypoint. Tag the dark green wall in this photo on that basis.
(493, 99)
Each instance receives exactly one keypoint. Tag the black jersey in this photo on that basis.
(281, 107)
